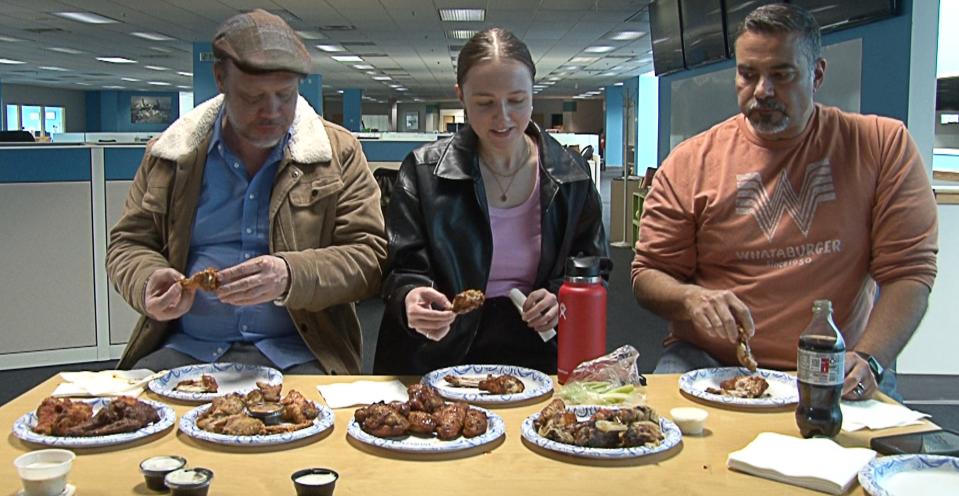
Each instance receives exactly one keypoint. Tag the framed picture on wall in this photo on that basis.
(412, 120)
(150, 109)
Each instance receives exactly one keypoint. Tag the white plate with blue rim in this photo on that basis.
(230, 377)
(23, 428)
(430, 444)
(321, 423)
(671, 437)
(535, 383)
(896, 475)
(783, 390)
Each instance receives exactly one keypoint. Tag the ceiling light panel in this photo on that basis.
(11, 62)
(9, 39)
(599, 49)
(462, 15)
(627, 35)
(331, 48)
(87, 17)
(151, 36)
(311, 35)
(460, 34)
(71, 51)
(53, 68)
(158, 83)
(156, 68)
(347, 58)
(116, 60)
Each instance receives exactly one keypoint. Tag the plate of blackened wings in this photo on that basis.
(91, 423)
(737, 386)
(425, 424)
(600, 432)
(489, 384)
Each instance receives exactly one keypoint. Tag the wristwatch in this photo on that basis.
(874, 365)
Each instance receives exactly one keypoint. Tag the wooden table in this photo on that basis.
(510, 466)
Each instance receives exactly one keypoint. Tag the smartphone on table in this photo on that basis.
(941, 442)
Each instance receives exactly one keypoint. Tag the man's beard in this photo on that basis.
(257, 142)
(764, 122)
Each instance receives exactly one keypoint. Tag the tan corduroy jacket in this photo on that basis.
(325, 221)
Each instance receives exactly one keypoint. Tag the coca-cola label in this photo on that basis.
(821, 369)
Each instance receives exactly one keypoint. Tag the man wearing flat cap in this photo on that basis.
(280, 203)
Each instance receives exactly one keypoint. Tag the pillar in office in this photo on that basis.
(311, 88)
(204, 85)
(613, 108)
(353, 109)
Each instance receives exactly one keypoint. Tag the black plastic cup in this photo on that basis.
(189, 481)
(315, 481)
(154, 470)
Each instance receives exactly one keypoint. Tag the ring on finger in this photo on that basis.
(859, 389)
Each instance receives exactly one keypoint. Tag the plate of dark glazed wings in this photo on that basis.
(94, 422)
(425, 424)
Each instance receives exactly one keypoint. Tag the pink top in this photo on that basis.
(516, 245)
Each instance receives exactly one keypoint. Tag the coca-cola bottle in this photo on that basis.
(821, 367)
(582, 313)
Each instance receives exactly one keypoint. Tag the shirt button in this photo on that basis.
(236, 165)
(249, 231)
(245, 327)
(252, 196)
(246, 255)
(219, 350)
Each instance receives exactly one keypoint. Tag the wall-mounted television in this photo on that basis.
(666, 32)
(736, 12)
(704, 39)
(833, 15)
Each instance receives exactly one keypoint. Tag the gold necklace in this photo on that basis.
(504, 192)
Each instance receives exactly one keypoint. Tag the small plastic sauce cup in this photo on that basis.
(44, 472)
(689, 419)
(315, 481)
(155, 468)
(268, 413)
(189, 481)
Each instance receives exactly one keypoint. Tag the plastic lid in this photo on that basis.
(588, 266)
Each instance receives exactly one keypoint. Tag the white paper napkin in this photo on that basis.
(346, 394)
(519, 299)
(875, 415)
(105, 383)
(816, 463)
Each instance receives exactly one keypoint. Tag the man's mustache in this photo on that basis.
(766, 105)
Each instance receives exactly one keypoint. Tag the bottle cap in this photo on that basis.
(588, 266)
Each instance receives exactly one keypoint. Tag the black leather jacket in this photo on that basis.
(439, 234)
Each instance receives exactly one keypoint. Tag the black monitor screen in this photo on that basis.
(667, 36)
(833, 15)
(736, 12)
(704, 39)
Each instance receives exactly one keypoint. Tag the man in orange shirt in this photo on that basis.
(751, 221)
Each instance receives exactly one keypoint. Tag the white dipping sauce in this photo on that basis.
(161, 464)
(186, 477)
(316, 479)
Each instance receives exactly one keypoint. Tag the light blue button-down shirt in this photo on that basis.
(232, 225)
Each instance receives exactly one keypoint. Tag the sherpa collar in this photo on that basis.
(308, 143)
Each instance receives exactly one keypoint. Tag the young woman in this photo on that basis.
(500, 205)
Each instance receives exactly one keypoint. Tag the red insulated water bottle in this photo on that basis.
(582, 313)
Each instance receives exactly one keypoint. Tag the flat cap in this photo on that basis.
(259, 41)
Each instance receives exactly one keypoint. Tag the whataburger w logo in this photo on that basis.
(816, 188)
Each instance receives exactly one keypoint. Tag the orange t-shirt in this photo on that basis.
(825, 215)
